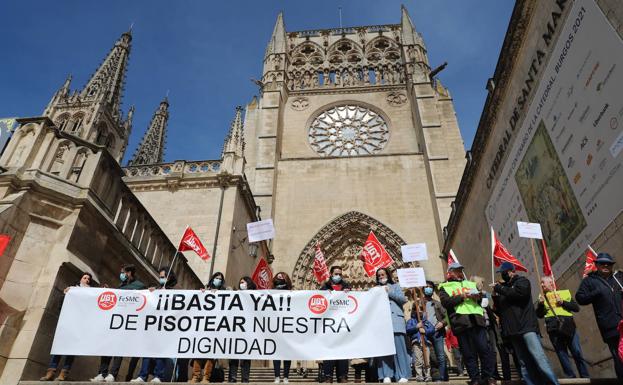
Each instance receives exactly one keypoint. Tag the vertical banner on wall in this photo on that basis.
(564, 167)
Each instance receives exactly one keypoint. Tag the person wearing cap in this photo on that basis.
(557, 308)
(461, 298)
(603, 290)
(513, 303)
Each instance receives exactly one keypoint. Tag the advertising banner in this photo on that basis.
(254, 324)
(564, 168)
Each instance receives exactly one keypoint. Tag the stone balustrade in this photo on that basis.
(176, 168)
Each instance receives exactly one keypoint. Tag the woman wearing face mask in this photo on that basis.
(398, 365)
(436, 315)
(156, 366)
(246, 283)
(282, 281)
(85, 281)
(217, 282)
(335, 283)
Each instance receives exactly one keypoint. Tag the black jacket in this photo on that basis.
(329, 285)
(513, 304)
(605, 296)
(551, 324)
(459, 322)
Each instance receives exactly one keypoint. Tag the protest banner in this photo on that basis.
(266, 324)
(529, 230)
(411, 277)
(413, 253)
(261, 230)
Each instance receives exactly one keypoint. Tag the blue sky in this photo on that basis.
(204, 52)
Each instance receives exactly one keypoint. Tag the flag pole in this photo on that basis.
(416, 301)
(177, 251)
(492, 256)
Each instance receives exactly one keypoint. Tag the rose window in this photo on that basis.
(348, 130)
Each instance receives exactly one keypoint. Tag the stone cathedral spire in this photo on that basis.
(233, 148)
(278, 39)
(108, 80)
(94, 113)
(151, 149)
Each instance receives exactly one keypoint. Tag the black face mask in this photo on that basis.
(506, 276)
(280, 283)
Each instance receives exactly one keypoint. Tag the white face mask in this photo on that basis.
(82, 284)
(484, 302)
(382, 281)
(243, 286)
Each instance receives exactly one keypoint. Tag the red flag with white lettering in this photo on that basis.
(374, 255)
(190, 241)
(321, 272)
(4, 242)
(452, 257)
(501, 254)
(589, 266)
(262, 275)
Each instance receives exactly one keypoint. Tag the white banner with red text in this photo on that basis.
(254, 324)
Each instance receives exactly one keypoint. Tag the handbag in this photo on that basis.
(564, 326)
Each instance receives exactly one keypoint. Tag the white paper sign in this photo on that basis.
(414, 252)
(411, 277)
(249, 324)
(529, 230)
(261, 230)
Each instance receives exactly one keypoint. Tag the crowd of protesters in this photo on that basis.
(457, 318)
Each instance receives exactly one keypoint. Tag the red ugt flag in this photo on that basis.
(4, 242)
(263, 275)
(501, 254)
(374, 255)
(547, 266)
(321, 272)
(452, 257)
(589, 266)
(190, 241)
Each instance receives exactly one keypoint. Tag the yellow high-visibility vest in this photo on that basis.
(468, 306)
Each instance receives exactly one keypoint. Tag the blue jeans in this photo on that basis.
(563, 344)
(438, 344)
(535, 366)
(474, 346)
(158, 369)
(55, 360)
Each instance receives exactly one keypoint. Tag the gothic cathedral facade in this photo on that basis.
(352, 134)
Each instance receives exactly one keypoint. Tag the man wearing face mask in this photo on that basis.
(128, 279)
(604, 291)
(436, 314)
(461, 299)
(513, 303)
(335, 283)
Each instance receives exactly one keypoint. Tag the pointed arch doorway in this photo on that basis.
(341, 241)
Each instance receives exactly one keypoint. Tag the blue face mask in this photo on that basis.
(336, 278)
(123, 277)
(428, 291)
(162, 281)
(217, 282)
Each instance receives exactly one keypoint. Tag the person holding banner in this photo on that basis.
(513, 302)
(417, 330)
(557, 308)
(202, 368)
(85, 281)
(282, 282)
(245, 283)
(128, 279)
(603, 289)
(461, 299)
(167, 280)
(335, 283)
(396, 366)
(437, 315)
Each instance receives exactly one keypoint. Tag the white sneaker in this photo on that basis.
(109, 378)
(155, 379)
(403, 380)
(387, 380)
(276, 380)
(138, 379)
(285, 380)
(98, 378)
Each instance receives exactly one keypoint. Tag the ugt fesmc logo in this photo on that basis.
(108, 300)
(318, 304)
